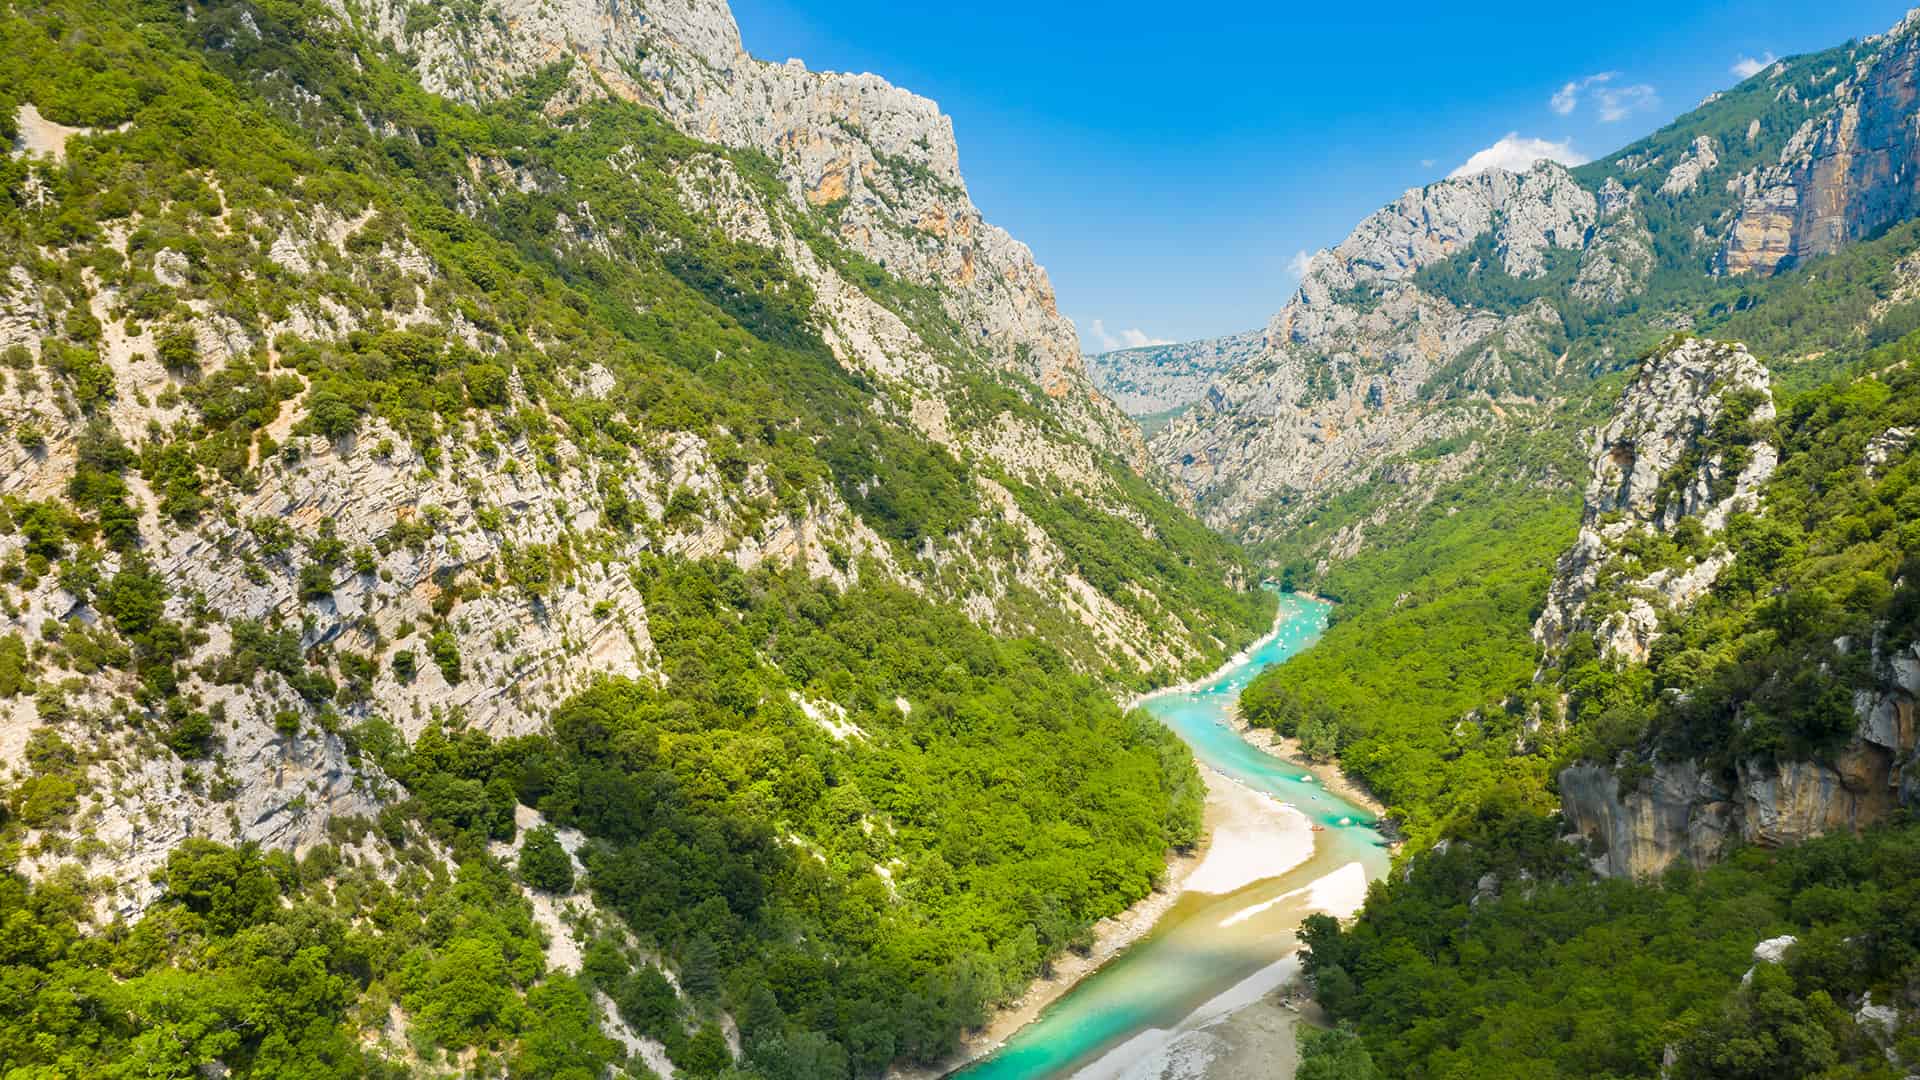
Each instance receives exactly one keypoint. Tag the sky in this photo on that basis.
(1172, 165)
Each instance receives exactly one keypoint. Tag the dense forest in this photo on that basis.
(1499, 955)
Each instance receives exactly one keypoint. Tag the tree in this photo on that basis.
(544, 864)
(229, 887)
(700, 971)
(1335, 1054)
(1763, 1031)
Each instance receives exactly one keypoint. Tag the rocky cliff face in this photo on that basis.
(1688, 449)
(494, 546)
(1847, 173)
(1670, 811)
(880, 161)
(1650, 472)
(1162, 378)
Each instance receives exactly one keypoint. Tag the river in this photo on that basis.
(1229, 938)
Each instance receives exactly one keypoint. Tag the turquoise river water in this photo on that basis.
(1209, 953)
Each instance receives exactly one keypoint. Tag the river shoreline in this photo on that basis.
(1331, 776)
(1241, 657)
(1249, 837)
(1244, 831)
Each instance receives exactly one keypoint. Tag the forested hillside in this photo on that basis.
(495, 584)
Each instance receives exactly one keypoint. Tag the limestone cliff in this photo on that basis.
(1650, 473)
(1641, 817)
(1847, 173)
(230, 367)
(1688, 448)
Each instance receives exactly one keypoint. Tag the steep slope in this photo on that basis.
(1435, 514)
(1847, 172)
(880, 163)
(416, 441)
(1652, 750)
(1364, 363)
(1749, 654)
(1720, 686)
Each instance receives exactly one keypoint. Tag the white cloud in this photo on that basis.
(1619, 102)
(1747, 67)
(1566, 99)
(1301, 262)
(1516, 154)
(1107, 341)
(1614, 101)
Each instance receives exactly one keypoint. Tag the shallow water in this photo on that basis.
(1209, 952)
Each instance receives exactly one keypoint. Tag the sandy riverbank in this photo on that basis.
(1249, 1029)
(1249, 837)
(1330, 776)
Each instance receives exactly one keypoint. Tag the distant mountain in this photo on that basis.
(1476, 302)
(1159, 380)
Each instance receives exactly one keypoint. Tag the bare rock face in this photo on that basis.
(1649, 474)
(1846, 174)
(1527, 214)
(1699, 160)
(1640, 815)
(1655, 465)
(1678, 810)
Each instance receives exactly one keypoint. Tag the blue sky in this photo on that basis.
(1168, 163)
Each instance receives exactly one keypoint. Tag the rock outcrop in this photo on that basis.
(1649, 474)
(1660, 462)
(882, 162)
(1678, 810)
